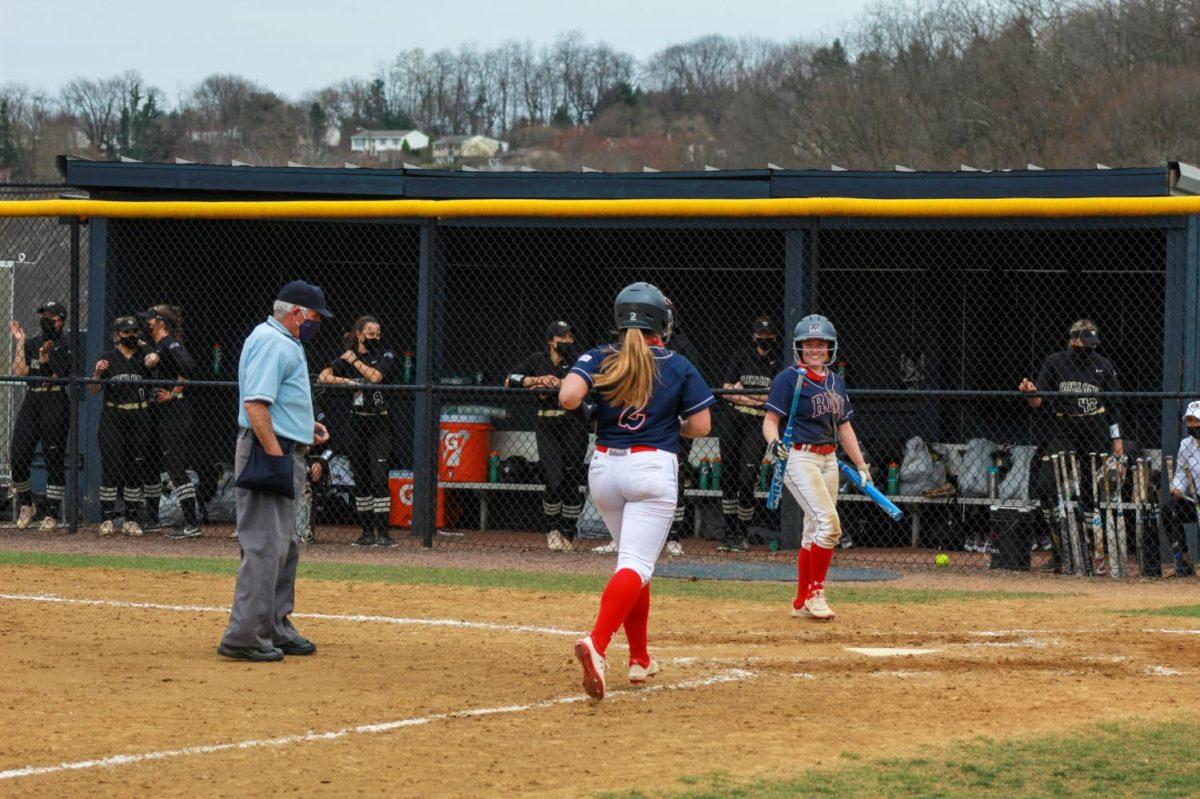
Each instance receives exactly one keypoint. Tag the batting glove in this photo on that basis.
(864, 472)
(776, 450)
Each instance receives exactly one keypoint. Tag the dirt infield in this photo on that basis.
(126, 666)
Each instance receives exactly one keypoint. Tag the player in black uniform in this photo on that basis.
(1078, 424)
(562, 438)
(741, 429)
(172, 422)
(43, 416)
(367, 362)
(124, 425)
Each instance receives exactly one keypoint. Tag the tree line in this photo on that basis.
(932, 85)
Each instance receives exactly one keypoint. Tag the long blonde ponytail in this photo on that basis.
(626, 377)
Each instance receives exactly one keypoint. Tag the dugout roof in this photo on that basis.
(136, 180)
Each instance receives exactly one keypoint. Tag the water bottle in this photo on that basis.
(408, 366)
(494, 468)
(216, 360)
(479, 377)
(993, 481)
(893, 479)
(764, 475)
(705, 474)
(716, 474)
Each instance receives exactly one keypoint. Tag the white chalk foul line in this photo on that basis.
(471, 625)
(731, 675)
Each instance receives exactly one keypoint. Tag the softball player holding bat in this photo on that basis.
(648, 397)
(821, 423)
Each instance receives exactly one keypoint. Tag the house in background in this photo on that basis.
(451, 148)
(374, 142)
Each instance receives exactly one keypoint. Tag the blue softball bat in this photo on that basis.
(779, 470)
(871, 491)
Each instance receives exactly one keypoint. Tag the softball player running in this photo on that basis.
(648, 397)
(822, 422)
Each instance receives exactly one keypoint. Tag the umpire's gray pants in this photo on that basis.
(266, 580)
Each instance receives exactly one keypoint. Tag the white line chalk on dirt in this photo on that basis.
(729, 676)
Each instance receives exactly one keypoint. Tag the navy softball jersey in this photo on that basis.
(823, 404)
(679, 391)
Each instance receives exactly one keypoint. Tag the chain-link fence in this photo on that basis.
(438, 378)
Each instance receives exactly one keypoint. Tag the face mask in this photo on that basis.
(1194, 432)
(128, 341)
(1081, 354)
(766, 346)
(309, 328)
(563, 348)
(371, 344)
(49, 328)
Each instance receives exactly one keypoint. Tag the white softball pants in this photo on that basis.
(812, 480)
(635, 494)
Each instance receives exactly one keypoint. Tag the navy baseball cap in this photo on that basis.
(55, 308)
(307, 295)
(123, 323)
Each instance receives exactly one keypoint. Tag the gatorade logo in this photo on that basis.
(453, 444)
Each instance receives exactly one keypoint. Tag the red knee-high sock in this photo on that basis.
(819, 560)
(619, 597)
(636, 624)
(803, 577)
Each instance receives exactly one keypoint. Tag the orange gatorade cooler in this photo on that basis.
(465, 446)
(400, 486)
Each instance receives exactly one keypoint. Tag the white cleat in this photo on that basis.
(107, 528)
(801, 612)
(47, 524)
(638, 673)
(674, 549)
(606, 549)
(593, 667)
(131, 528)
(25, 517)
(818, 608)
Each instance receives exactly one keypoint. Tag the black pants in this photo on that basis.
(43, 418)
(173, 429)
(742, 450)
(122, 437)
(370, 449)
(1176, 512)
(562, 443)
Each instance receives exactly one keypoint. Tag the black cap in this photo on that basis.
(55, 308)
(764, 326)
(558, 328)
(306, 295)
(123, 323)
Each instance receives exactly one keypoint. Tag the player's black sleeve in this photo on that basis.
(526, 369)
(1111, 383)
(386, 365)
(733, 370)
(185, 364)
(1047, 379)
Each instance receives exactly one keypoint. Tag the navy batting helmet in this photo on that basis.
(642, 306)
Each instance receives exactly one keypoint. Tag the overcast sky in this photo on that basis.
(306, 44)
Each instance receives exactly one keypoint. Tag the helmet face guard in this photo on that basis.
(814, 328)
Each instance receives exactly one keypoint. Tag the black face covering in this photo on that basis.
(1081, 354)
(766, 347)
(128, 341)
(1194, 432)
(371, 344)
(564, 348)
(49, 328)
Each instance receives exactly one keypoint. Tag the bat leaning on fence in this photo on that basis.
(1085, 553)
(775, 493)
(1097, 522)
(1065, 555)
(871, 491)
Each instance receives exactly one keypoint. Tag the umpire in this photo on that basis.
(277, 414)
(753, 366)
(562, 437)
(43, 415)
(1082, 424)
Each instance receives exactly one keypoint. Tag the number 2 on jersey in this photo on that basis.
(632, 418)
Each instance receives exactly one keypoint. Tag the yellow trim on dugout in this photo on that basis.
(442, 209)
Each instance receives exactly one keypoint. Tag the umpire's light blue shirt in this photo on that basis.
(273, 370)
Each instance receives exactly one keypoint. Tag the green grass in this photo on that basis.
(524, 581)
(1129, 759)
(1181, 611)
